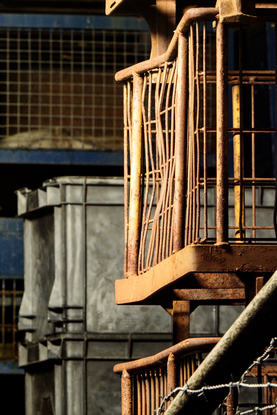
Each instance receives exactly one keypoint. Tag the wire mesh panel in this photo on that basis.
(158, 114)
(248, 128)
(10, 298)
(57, 89)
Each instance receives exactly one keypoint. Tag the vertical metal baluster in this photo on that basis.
(147, 394)
(197, 125)
(126, 393)
(205, 166)
(135, 181)
(180, 145)
(152, 391)
(126, 120)
(171, 373)
(139, 394)
(222, 133)
(253, 162)
(239, 204)
(143, 393)
(157, 389)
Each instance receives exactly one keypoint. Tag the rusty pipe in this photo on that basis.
(126, 393)
(191, 15)
(171, 373)
(180, 145)
(135, 180)
(222, 133)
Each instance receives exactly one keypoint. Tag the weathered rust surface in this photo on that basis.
(214, 280)
(209, 294)
(126, 393)
(181, 315)
(171, 373)
(186, 347)
(233, 258)
(231, 402)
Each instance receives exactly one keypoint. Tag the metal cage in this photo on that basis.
(188, 145)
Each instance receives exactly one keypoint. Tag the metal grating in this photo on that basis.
(57, 88)
(251, 182)
(10, 298)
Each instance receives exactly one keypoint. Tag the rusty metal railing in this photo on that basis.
(11, 292)
(145, 381)
(179, 188)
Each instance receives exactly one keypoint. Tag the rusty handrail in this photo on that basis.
(191, 15)
(181, 349)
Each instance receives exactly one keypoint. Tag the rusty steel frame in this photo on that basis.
(237, 259)
(175, 256)
(171, 226)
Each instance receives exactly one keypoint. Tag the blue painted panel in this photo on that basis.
(96, 158)
(71, 22)
(10, 368)
(11, 248)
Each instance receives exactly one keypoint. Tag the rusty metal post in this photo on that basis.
(135, 180)
(231, 402)
(126, 393)
(233, 354)
(171, 373)
(222, 133)
(181, 314)
(126, 103)
(180, 145)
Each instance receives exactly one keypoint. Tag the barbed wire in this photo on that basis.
(231, 385)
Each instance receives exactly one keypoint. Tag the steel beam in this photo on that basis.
(239, 259)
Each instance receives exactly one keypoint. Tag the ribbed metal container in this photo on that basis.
(74, 332)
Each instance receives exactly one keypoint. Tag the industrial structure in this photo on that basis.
(199, 116)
